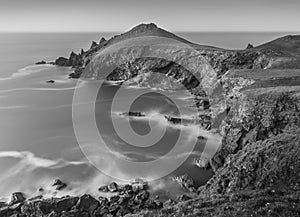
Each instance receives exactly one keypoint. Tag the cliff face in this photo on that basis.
(259, 107)
(257, 168)
(261, 123)
(257, 165)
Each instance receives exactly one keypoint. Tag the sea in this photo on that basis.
(39, 138)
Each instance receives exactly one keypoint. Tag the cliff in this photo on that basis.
(257, 165)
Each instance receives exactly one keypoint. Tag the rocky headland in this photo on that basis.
(257, 113)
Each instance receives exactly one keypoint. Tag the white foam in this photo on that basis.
(28, 70)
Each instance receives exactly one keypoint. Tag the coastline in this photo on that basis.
(261, 125)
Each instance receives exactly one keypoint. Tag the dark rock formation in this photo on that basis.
(17, 197)
(186, 182)
(256, 114)
(41, 62)
(75, 60)
(134, 114)
(124, 201)
(87, 203)
(102, 40)
(50, 81)
(59, 185)
(113, 187)
(65, 204)
(203, 163)
(62, 61)
(93, 45)
(249, 46)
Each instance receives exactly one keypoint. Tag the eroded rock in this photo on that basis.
(59, 185)
(17, 197)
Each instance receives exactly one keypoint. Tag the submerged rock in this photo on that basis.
(50, 81)
(41, 62)
(134, 114)
(103, 188)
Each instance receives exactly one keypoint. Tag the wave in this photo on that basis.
(13, 107)
(28, 70)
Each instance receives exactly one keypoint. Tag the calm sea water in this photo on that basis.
(38, 143)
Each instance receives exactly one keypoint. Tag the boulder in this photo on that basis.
(44, 207)
(38, 197)
(203, 163)
(113, 187)
(114, 199)
(186, 182)
(65, 204)
(139, 184)
(50, 81)
(59, 184)
(77, 73)
(103, 201)
(87, 203)
(17, 197)
(125, 188)
(141, 196)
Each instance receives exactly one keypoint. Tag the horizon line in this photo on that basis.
(200, 31)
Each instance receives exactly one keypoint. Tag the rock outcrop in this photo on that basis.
(75, 60)
(59, 185)
(41, 62)
(50, 81)
(249, 46)
(186, 182)
(126, 199)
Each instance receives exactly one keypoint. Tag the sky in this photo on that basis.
(173, 15)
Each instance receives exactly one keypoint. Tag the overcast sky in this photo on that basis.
(174, 15)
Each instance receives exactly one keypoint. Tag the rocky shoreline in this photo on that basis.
(257, 167)
(123, 199)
